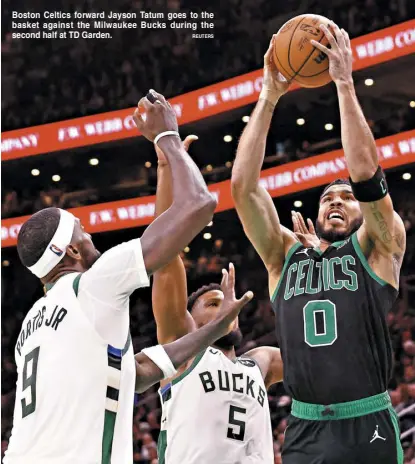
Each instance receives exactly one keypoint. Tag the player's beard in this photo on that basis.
(332, 235)
(231, 340)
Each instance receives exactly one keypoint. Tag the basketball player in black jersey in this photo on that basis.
(330, 301)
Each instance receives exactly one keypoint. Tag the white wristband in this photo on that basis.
(162, 134)
(159, 357)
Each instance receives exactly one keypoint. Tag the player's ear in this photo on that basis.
(73, 252)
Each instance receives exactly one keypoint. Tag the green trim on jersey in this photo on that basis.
(347, 410)
(364, 261)
(337, 244)
(127, 344)
(395, 423)
(189, 369)
(108, 436)
(291, 251)
(161, 446)
(318, 250)
(75, 284)
(49, 285)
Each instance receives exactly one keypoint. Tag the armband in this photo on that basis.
(161, 359)
(373, 189)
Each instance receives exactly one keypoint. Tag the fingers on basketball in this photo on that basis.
(329, 36)
(268, 54)
(340, 39)
(346, 38)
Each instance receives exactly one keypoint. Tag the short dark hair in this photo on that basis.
(336, 182)
(35, 235)
(201, 291)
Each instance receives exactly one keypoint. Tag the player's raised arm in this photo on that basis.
(382, 227)
(192, 207)
(161, 361)
(270, 362)
(169, 292)
(253, 203)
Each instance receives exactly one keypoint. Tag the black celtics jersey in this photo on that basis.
(331, 324)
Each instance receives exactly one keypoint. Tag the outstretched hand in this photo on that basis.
(159, 116)
(162, 161)
(306, 235)
(231, 306)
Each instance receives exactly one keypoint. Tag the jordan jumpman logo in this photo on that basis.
(376, 435)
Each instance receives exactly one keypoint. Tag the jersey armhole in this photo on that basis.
(364, 261)
(291, 251)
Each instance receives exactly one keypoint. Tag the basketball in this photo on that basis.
(296, 58)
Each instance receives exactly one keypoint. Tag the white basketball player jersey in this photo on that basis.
(75, 391)
(216, 412)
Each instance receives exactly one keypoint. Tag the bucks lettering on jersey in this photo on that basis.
(216, 412)
(331, 324)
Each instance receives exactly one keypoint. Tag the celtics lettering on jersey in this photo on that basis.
(335, 273)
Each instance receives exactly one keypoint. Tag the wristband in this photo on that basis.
(161, 359)
(373, 189)
(163, 134)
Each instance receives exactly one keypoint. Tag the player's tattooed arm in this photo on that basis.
(381, 224)
(185, 348)
(269, 361)
(193, 205)
(169, 292)
(384, 229)
(253, 203)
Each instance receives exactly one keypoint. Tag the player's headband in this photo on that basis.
(56, 249)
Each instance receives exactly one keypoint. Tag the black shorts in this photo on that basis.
(368, 439)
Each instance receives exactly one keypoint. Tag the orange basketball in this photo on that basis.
(296, 58)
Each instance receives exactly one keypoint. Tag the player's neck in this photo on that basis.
(49, 281)
(228, 352)
(324, 244)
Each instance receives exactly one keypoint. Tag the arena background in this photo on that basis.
(99, 165)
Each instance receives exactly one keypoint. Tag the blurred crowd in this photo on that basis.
(120, 176)
(104, 75)
(204, 262)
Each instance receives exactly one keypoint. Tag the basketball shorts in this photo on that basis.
(357, 432)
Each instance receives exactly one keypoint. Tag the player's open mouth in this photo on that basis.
(335, 216)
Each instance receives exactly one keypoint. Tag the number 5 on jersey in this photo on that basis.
(238, 431)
